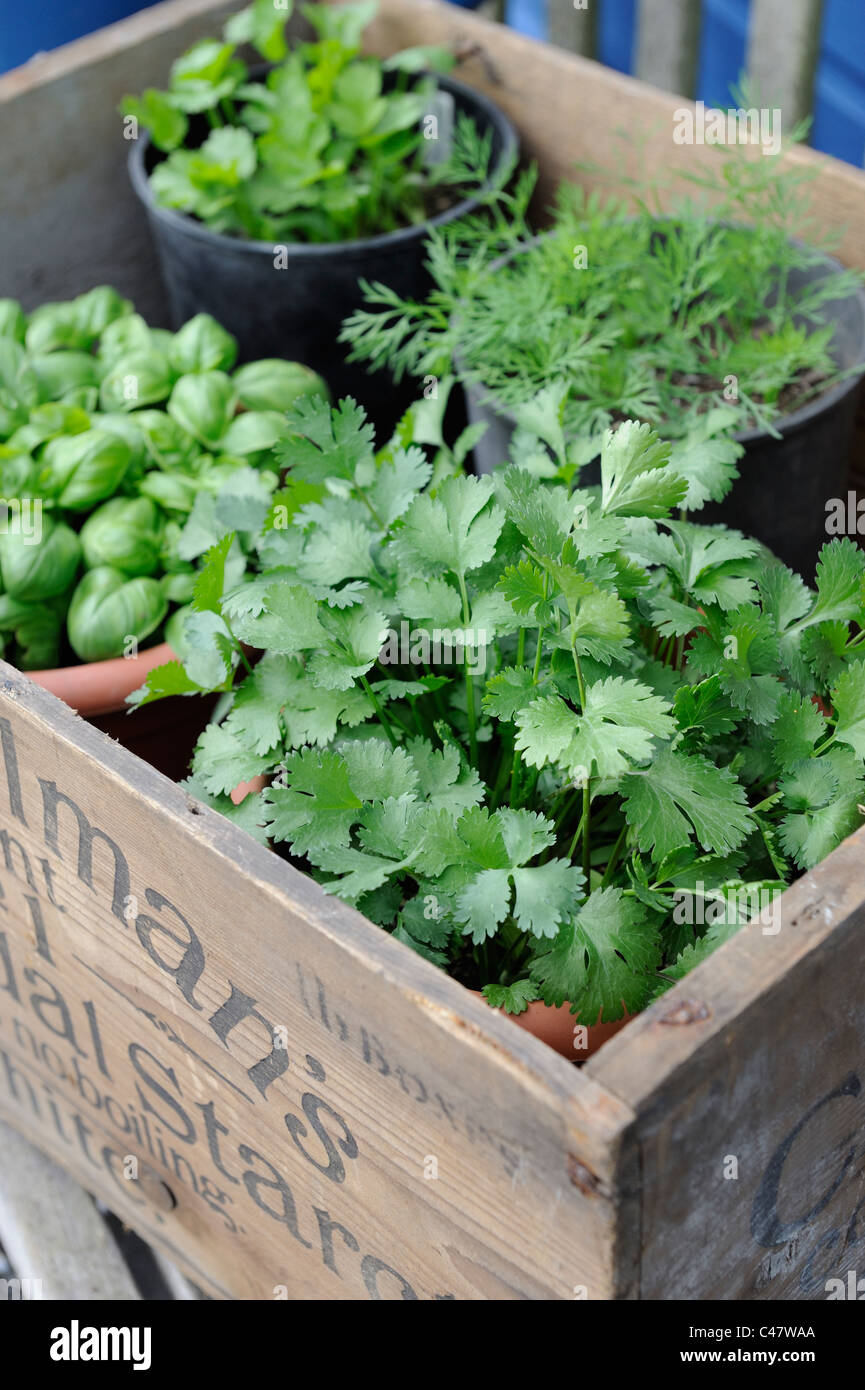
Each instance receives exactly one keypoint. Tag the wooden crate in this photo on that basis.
(279, 1096)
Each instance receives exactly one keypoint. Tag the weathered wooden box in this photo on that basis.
(266, 1085)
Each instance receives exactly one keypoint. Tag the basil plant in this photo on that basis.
(118, 442)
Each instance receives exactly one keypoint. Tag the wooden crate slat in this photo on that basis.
(63, 141)
(448, 1145)
(51, 1231)
(783, 47)
(759, 1057)
(668, 36)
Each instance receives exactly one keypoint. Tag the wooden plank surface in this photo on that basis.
(313, 1110)
(749, 1085)
(51, 1231)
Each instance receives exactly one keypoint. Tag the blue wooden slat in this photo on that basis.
(527, 17)
(839, 114)
(722, 49)
(39, 25)
(617, 23)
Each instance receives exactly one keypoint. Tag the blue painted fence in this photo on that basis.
(32, 26)
(839, 111)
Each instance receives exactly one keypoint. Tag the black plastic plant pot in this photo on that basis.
(785, 483)
(296, 311)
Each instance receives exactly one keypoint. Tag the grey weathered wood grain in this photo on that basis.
(668, 34)
(573, 25)
(783, 47)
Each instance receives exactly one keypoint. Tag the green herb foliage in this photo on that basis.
(123, 449)
(330, 146)
(650, 305)
(621, 760)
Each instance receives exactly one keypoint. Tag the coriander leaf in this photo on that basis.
(396, 484)
(359, 873)
(671, 618)
(255, 716)
(377, 771)
(822, 795)
(355, 639)
(222, 762)
(848, 699)
(444, 778)
(324, 443)
(457, 529)
(512, 999)
(703, 709)
(706, 458)
(840, 593)
(509, 690)
(680, 794)
(341, 552)
(602, 962)
(402, 934)
(168, 679)
(318, 806)
(288, 623)
(484, 904)
(547, 727)
(210, 580)
(543, 515)
(636, 477)
(525, 833)
(798, 726)
(481, 834)
(545, 895)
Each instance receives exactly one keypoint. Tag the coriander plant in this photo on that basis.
(558, 740)
(112, 434)
(328, 146)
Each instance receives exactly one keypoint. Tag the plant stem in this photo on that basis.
(587, 785)
(382, 718)
(614, 857)
(537, 667)
(240, 652)
(515, 760)
(470, 688)
(577, 834)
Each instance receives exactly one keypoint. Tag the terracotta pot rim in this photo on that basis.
(101, 687)
(555, 1025)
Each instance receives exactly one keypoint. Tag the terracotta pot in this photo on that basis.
(555, 1027)
(163, 734)
(245, 789)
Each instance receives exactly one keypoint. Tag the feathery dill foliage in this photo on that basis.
(327, 147)
(643, 725)
(669, 306)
